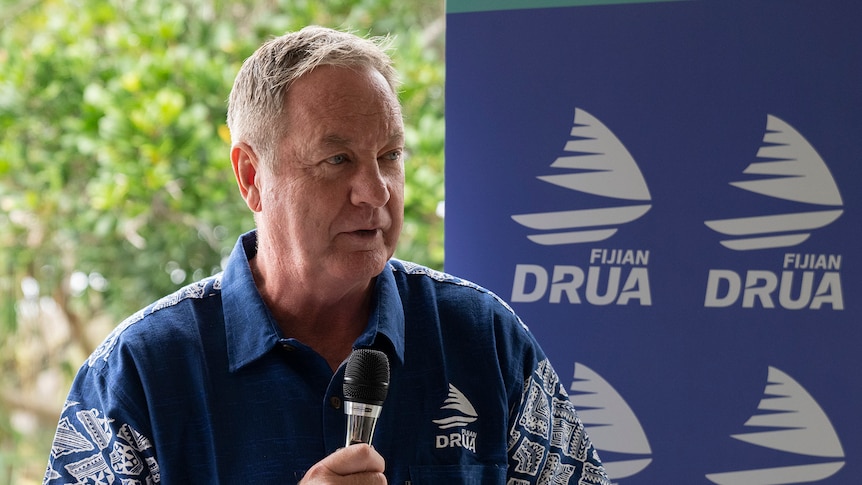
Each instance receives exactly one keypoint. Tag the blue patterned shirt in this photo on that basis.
(201, 387)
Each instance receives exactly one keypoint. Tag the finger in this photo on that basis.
(358, 463)
(358, 458)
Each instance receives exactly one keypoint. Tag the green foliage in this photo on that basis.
(115, 182)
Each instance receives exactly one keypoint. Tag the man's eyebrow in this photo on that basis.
(338, 141)
(397, 137)
(334, 140)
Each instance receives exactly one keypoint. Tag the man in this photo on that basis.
(238, 378)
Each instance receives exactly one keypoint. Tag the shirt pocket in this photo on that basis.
(457, 475)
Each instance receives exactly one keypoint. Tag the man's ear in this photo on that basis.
(245, 169)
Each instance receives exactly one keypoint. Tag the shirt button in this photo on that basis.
(335, 402)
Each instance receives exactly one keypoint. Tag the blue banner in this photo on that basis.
(669, 195)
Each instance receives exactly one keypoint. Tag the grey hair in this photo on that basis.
(257, 98)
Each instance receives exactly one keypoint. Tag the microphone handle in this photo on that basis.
(361, 420)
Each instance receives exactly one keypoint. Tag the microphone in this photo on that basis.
(366, 382)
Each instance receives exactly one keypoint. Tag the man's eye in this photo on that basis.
(393, 155)
(336, 160)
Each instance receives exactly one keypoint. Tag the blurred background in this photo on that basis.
(115, 181)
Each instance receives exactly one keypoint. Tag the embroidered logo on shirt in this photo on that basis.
(462, 413)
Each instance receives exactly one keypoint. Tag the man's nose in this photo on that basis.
(369, 185)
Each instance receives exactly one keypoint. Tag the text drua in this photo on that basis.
(465, 439)
(808, 281)
(791, 290)
(615, 276)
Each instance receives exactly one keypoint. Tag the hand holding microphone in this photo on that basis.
(353, 465)
(366, 383)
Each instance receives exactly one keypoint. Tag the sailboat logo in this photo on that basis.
(799, 426)
(465, 413)
(794, 171)
(598, 164)
(610, 423)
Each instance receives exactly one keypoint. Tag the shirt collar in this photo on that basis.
(386, 322)
(251, 330)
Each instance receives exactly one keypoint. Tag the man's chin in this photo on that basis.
(366, 262)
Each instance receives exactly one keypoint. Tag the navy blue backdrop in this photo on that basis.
(669, 195)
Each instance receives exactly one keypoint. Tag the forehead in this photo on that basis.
(331, 95)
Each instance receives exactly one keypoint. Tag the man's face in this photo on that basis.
(332, 202)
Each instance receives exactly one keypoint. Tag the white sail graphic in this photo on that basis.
(610, 422)
(795, 172)
(601, 165)
(798, 425)
(465, 413)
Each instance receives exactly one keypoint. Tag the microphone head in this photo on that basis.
(366, 377)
